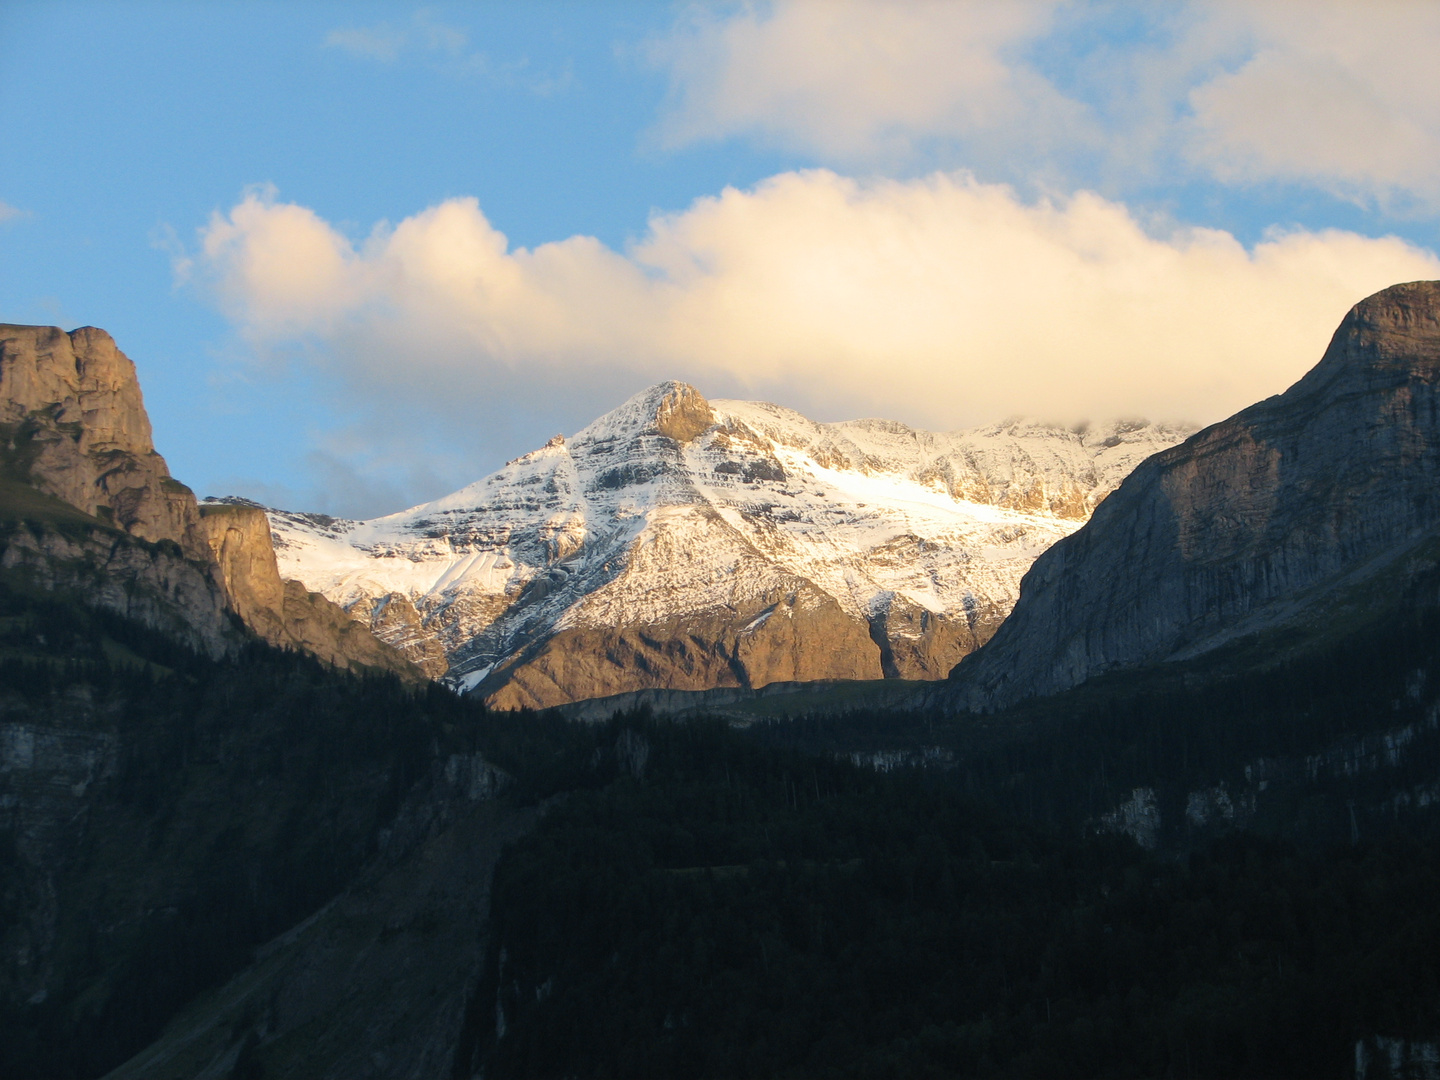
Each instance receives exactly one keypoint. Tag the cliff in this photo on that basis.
(88, 505)
(1249, 524)
(799, 635)
(75, 428)
(285, 613)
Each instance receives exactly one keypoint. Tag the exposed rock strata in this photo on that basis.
(75, 435)
(800, 636)
(154, 585)
(1246, 522)
(917, 643)
(393, 619)
(75, 427)
(285, 613)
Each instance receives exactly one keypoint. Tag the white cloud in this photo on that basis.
(10, 213)
(1339, 94)
(385, 42)
(446, 49)
(381, 43)
(1332, 93)
(853, 78)
(943, 302)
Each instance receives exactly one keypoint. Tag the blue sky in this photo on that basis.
(291, 215)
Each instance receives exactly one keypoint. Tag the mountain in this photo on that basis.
(188, 764)
(222, 858)
(87, 505)
(1287, 515)
(683, 544)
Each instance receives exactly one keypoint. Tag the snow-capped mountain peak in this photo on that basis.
(685, 543)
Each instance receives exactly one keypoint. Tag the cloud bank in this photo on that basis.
(1329, 93)
(849, 78)
(943, 302)
(1337, 94)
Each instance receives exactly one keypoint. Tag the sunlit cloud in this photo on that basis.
(941, 301)
(1337, 94)
(1331, 94)
(855, 78)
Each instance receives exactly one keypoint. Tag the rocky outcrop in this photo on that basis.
(682, 413)
(154, 585)
(89, 506)
(285, 613)
(795, 636)
(395, 620)
(74, 426)
(1246, 525)
(917, 643)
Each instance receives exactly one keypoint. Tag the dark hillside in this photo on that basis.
(728, 910)
(162, 813)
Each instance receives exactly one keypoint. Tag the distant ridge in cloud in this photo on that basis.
(942, 302)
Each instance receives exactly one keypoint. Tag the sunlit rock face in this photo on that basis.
(1246, 524)
(284, 612)
(680, 543)
(74, 434)
(74, 426)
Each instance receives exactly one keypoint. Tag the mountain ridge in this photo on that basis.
(679, 543)
(1247, 524)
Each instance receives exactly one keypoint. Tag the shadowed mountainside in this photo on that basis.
(1255, 522)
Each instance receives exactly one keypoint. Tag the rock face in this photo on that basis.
(1247, 523)
(155, 586)
(285, 613)
(795, 635)
(74, 426)
(74, 436)
(677, 543)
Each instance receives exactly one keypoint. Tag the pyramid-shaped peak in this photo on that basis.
(681, 412)
(673, 409)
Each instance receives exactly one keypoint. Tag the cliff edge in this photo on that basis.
(1245, 525)
(88, 505)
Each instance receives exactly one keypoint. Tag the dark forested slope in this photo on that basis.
(162, 813)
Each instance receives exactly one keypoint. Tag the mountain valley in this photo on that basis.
(1176, 816)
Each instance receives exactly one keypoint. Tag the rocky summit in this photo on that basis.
(1251, 524)
(683, 544)
(88, 506)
